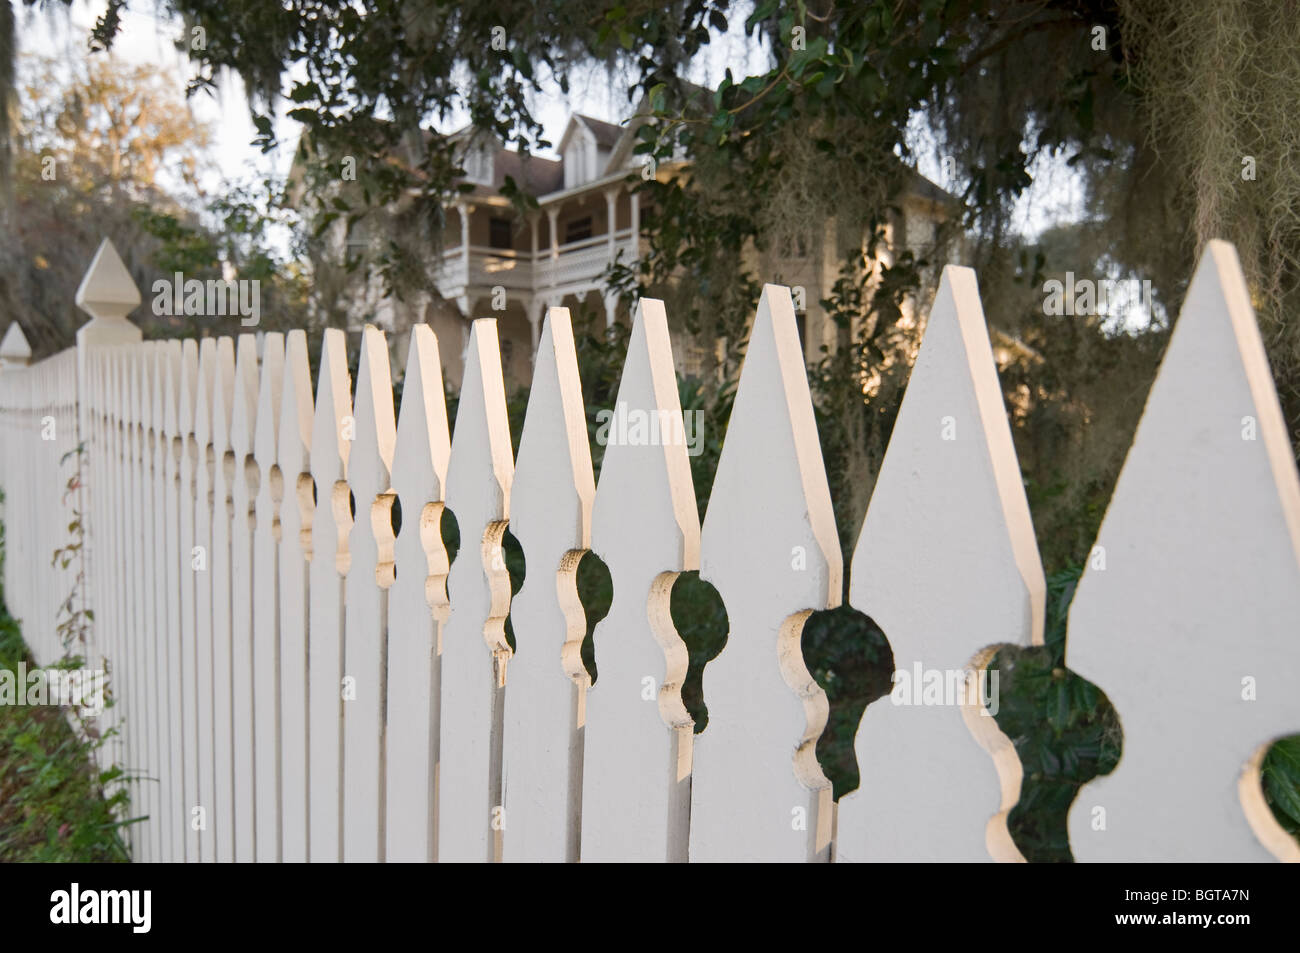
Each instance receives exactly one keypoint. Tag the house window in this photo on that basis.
(500, 233)
(577, 230)
(478, 165)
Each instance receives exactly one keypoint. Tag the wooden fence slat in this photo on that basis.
(947, 565)
(293, 466)
(266, 599)
(211, 401)
(770, 547)
(169, 581)
(182, 676)
(215, 566)
(417, 606)
(120, 557)
(638, 744)
(475, 652)
(137, 635)
(366, 611)
(545, 702)
(243, 423)
(331, 442)
(1186, 615)
(152, 503)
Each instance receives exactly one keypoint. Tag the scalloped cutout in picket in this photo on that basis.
(551, 517)
(366, 604)
(1186, 615)
(293, 463)
(475, 652)
(331, 441)
(417, 605)
(769, 546)
(639, 741)
(947, 565)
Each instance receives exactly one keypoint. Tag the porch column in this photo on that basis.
(611, 207)
(553, 214)
(465, 209)
(634, 243)
(536, 312)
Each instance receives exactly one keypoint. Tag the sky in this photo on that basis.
(146, 38)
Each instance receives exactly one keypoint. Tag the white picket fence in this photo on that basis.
(296, 684)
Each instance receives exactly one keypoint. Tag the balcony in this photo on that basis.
(576, 266)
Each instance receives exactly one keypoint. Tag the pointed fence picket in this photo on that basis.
(331, 440)
(1186, 613)
(475, 651)
(369, 575)
(211, 620)
(946, 564)
(266, 600)
(545, 702)
(417, 607)
(766, 712)
(242, 472)
(299, 673)
(292, 472)
(170, 582)
(637, 762)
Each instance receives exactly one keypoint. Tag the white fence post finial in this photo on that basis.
(108, 294)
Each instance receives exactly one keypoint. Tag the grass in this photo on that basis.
(53, 802)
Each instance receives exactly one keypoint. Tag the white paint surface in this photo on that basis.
(946, 564)
(1201, 590)
(545, 702)
(637, 760)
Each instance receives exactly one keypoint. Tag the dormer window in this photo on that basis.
(580, 159)
(478, 165)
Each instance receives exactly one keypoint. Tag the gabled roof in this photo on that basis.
(606, 134)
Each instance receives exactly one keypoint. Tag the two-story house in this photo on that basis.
(496, 263)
